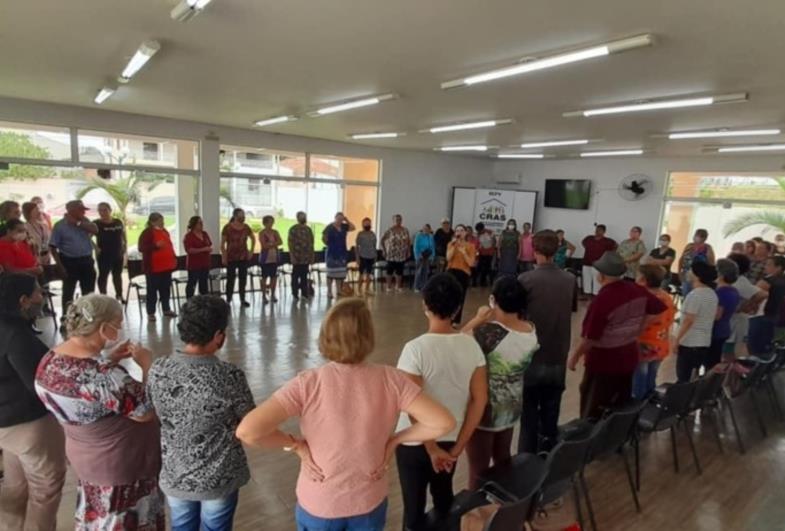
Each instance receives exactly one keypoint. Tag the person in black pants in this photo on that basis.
(198, 250)
(237, 245)
(301, 255)
(461, 256)
(110, 250)
(158, 262)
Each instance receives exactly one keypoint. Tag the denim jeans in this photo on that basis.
(645, 379)
(373, 521)
(209, 515)
(422, 273)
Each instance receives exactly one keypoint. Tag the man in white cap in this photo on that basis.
(609, 340)
(441, 238)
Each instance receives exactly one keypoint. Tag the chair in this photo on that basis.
(707, 398)
(137, 284)
(766, 380)
(667, 414)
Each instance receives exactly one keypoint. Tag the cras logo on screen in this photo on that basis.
(493, 212)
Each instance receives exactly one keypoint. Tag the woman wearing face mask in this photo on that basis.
(158, 262)
(663, 256)
(15, 253)
(31, 440)
(112, 444)
(697, 251)
(508, 249)
(460, 260)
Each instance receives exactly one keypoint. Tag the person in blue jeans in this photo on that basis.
(424, 252)
(200, 400)
(364, 522)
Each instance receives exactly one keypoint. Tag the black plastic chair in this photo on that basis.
(707, 398)
(667, 414)
(748, 383)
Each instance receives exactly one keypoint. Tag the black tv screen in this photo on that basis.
(563, 193)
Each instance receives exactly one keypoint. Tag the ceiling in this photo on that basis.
(242, 60)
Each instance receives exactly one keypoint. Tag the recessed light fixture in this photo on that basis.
(104, 94)
(721, 133)
(371, 136)
(466, 125)
(555, 143)
(145, 52)
(655, 105)
(617, 153)
(520, 156)
(275, 120)
(462, 148)
(352, 104)
(187, 9)
(551, 61)
(759, 147)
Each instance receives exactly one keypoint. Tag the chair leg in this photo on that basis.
(577, 498)
(675, 453)
(758, 414)
(637, 444)
(775, 401)
(688, 431)
(729, 403)
(715, 424)
(589, 506)
(629, 478)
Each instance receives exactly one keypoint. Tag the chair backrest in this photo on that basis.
(531, 474)
(678, 397)
(134, 268)
(614, 430)
(513, 515)
(563, 462)
(707, 390)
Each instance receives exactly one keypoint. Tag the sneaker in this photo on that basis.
(151, 318)
(245, 304)
(295, 297)
(170, 313)
(273, 299)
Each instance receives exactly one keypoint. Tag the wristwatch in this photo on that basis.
(292, 446)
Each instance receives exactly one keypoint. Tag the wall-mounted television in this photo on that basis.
(567, 193)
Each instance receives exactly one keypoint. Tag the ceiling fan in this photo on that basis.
(634, 187)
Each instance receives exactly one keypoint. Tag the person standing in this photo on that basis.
(16, 256)
(111, 247)
(72, 251)
(334, 238)
(508, 343)
(397, 248)
(365, 250)
(158, 262)
(460, 259)
(697, 251)
(728, 299)
(38, 234)
(301, 255)
(654, 343)
(200, 400)
(450, 367)
(550, 293)
(632, 250)
(697, 320)
(9, 210)
(270, 242)
(39, 202)
(751, 298)
(564, 252)
(763, 327)
(31, 440)
(443, 236)
(485, 254)
(594, 246)
(664, 256)
(237, 245)
(526, 250)
(763, 250)
(198, 256)
(509, 248)
(424, 248)
(609, 340)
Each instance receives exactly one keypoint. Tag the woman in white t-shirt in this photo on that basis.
(508, 343)
(450, 367)
(697, 320)
(751, 298)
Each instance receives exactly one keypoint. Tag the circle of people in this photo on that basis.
(174, 433)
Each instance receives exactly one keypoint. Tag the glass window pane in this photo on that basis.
(133, 150)
(360, 202)
(344, 168)
(260, 161)
(34, 142)
(754, 186)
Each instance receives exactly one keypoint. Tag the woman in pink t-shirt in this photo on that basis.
(348, 411)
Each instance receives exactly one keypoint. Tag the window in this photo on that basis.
(21, 141)
(260, 161)
(130, 150)
(151, 151)
(344, 168)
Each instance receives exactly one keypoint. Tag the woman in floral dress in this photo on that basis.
(112, 445)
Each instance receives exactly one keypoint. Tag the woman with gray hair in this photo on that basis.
(729, 298)
(111, 443)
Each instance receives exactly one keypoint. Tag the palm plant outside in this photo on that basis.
(771, 218)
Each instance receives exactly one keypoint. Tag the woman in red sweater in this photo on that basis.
(15, 253)
(198, 249)
(158, 262)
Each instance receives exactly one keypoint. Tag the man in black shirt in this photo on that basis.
(441, 238)
(110, 249)
(663, 256)
(769, 326)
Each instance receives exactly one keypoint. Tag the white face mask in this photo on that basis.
(664, 243)
(112, 344)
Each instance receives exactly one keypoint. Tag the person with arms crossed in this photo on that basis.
(664, 256)
(632, 250)
(594, 246)
(485, 254)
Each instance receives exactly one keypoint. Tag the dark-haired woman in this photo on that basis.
(15, 254)
(461, 256)
(270, 242)
(31, 440)
(508, 343)
(158, 262)
(198, 249)
(237, 244)
(508, 247)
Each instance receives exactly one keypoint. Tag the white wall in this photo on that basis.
(607, 206)
(415, 184)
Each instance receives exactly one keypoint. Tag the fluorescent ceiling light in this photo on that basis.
(462, 148)
(187, 9)
(542, 63)
(660, 104)
(723, 133)
(140, 58)
(466, 125)
(521, 156)
(275, 120)
(618, 153)
(353, 104)
(104, 94)
(369, 136)
(761, 147)
(198, 4)
(555, 143)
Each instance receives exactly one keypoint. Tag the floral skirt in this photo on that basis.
(135, 507)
